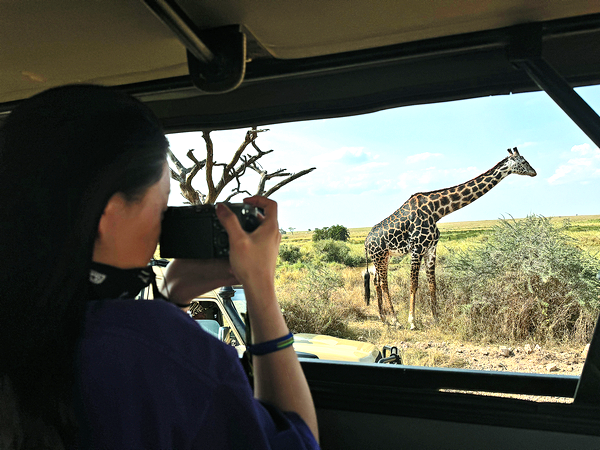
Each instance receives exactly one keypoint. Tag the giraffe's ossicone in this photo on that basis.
(412, 229)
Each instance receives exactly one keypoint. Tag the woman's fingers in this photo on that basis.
(231, 223)
(228, 219)
(269, 206)
(252, 255)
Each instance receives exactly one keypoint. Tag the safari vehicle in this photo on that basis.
(207, 64)
(222, 313)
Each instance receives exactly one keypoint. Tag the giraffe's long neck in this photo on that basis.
(456, 197)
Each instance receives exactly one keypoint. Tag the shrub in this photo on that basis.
(332, 251)
(308, 305)
(339, 233)
(290, 253)
(528, 280)
(319, 234)
(398, 259)
(337, 252)
(320, 282)
(336, 233)
(354, 260)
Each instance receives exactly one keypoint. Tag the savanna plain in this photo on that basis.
(519, 295)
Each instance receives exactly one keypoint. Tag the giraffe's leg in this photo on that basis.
(430, 269)
(380, 301)
(388, 307)
(415, 264)
(377, 283)
(386, 310)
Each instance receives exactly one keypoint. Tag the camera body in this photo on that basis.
(194, 232)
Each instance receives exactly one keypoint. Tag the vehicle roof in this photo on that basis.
(304, 60)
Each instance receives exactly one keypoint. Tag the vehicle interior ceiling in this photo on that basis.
(224, 64)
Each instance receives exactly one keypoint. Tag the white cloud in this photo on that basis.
(344, 155)
(421, 157)
(584, 149)
(415, 179)
(433, 178)
(367, 167)
(427, 175)
(581, 168)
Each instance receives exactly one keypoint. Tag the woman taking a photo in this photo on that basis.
(83, 364)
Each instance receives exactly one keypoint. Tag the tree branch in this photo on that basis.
(185, 176)
(233, 170)
(209, 166)
(181, 172)
(288, 180)
(230, 171)
(236, 192)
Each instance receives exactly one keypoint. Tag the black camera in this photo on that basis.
(195, 232)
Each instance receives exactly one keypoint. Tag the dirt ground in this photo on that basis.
(529, 358)
(432, 347)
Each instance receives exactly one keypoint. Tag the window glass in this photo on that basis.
(516, 267)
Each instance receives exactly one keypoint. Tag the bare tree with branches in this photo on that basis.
(232, 171)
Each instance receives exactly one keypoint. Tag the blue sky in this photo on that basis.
(369, 165)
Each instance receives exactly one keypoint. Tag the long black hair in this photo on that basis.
(63, 154)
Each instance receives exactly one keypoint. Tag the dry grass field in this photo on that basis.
(583, 228)
(329, 298)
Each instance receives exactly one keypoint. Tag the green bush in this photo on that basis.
(319, 234)
(320, 282)
(290, 253)
(355, 260)
(308, 304)
(332, 251)
(339, 233)
(528, 280)
(336, 252)
(336, 233)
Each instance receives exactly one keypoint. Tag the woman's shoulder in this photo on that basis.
(151, 325)
(134, 314)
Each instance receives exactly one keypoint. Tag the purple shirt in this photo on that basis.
(151, 378)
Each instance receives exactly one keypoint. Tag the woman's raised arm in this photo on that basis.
(278, 376)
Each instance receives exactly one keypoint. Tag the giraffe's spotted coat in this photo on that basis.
(412, 229)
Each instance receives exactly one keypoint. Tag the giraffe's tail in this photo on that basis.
(367, 280)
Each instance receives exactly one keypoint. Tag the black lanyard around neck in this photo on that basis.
(111, 282)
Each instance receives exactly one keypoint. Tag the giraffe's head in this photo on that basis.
(517, 164)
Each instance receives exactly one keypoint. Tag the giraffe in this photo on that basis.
(412, 229)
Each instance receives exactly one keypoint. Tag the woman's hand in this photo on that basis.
(253, 256)
(252, 259)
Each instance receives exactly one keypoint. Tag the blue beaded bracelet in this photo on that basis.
(265, 348)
